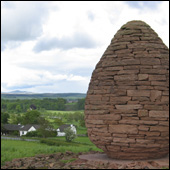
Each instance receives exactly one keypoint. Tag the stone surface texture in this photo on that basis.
(127, 103)
(90, 160)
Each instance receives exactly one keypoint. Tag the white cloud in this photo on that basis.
(77, 40)
(22, 20)
(81, 31)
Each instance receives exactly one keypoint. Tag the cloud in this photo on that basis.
(34, 80)
(143, 4)
(77, 40)
(22, 21)
(91, 15)
(55, 49)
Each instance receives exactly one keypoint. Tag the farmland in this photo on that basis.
(19, 149)
(14, 111)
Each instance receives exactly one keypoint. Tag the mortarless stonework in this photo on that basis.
(127, 103)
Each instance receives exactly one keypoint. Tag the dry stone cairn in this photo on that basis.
(127, 103)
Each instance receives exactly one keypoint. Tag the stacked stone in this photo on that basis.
(127, 103)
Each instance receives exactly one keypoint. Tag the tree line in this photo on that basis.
(30, 117)
(21, 106)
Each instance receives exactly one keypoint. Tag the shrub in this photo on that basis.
(53, 142)
(69, 134)
(33, 134)
(15, 133)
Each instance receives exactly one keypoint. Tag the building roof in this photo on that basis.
(63, 127)
(27, 127)
(12, 127)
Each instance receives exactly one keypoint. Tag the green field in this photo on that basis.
(56, 112)
(11, 149)
(50, 115)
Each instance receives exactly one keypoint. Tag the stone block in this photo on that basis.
(155, 113)
(138, 93)
(156, 77)
(145, 87)
(143, 141)
(143, 76)
(164, 123)
(153, 107)
(155, 94)
(165, 99)
(159, 129)
(128, 72)
(128, 107)
(153, 71)
(150, 61)
(120, 99)
(143, 128)
(127, 129)
(125, 77)
(105, 117)
(123, 140)
(143, 113)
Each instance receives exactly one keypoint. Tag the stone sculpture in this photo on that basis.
(127, 103)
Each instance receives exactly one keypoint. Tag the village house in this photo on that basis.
(28, 128)
(8, 129)
(60, 130)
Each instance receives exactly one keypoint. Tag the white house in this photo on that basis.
(27, 128)
(60, 130)
(22, 129)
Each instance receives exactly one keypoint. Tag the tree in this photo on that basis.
(11, 107)
(82, 123)
(15, 119)
(80, 104)
(18, 108)
(61, 103)
(3, 106)
(4, 117)
(58, 122)
(46, 130)
(69, 134)
(31, 117)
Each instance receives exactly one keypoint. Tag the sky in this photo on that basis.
(54, 46)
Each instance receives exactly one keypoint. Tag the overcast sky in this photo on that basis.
(53, 46)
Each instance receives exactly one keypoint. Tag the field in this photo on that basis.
(56, 112)
(50, 115)
(11, 149)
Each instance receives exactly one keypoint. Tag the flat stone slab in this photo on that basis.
(104, 159)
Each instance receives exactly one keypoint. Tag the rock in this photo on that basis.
(99, 163)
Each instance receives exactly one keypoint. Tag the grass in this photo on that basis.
(62, 112)
(81, 140)
(11, 149)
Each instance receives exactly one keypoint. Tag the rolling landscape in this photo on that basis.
(55, 109)
(85, 85)
(29, 95)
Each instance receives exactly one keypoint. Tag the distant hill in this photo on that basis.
(17, 92)
(28, 95)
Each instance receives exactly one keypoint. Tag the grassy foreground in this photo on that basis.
(11, 149)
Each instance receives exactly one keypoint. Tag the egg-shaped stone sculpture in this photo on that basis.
(127, 103)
